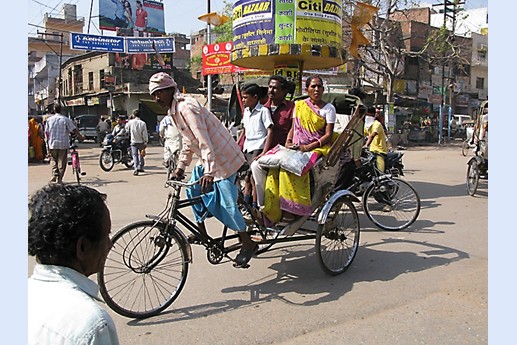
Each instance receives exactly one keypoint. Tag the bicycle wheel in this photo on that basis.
(464, 148)
(337, 241)
(106, 161)
(145, 270)
(392, 204)
(129, 159)
(472, 177)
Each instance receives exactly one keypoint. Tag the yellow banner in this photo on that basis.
(363, 13)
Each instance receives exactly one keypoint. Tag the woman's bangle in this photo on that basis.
(319, 141)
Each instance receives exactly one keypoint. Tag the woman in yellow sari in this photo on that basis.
(286, 194)
(36, 138)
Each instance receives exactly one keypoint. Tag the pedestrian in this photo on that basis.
(220, 159)
(376, 134)
(171, 138)
(258, 131)
(36, 140)
(57, 132)
(138, 137)
(102, 128)
(68, 233)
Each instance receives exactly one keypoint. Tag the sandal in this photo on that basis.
(244, 256)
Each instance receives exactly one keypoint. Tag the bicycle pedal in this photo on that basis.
(83, 173)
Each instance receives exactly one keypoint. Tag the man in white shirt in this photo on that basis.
(171, 138)
(57, 135)
(137, 130)
(68, 233)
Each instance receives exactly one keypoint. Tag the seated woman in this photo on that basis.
(286, 194)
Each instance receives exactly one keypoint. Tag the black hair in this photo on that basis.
(284, 84)
(57, 108)
(309, 79)
(372, 110)
(252, 89)
(61, 214)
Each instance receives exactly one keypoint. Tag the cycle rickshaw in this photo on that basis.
(477, 166)
(147, 267)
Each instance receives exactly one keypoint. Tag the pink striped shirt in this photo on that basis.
(204, 134)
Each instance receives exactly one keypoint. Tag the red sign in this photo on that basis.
(216, 59)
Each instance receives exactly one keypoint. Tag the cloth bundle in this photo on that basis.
(294, 161)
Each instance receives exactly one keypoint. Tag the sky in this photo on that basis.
(180, 15)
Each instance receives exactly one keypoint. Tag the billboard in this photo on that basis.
(138, 18)
(98, 43)
(257, 22)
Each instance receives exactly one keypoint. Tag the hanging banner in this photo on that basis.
(145, 45)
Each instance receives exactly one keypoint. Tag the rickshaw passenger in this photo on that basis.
(287, 195)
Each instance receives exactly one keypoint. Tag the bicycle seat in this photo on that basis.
(244, 167)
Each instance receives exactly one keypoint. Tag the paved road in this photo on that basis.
(425, 285)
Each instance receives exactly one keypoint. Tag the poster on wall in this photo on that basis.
(134, 18)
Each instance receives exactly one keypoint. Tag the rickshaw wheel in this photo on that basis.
(337, 241)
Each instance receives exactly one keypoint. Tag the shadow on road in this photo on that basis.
(297, 278)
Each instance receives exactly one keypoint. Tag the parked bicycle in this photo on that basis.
(389, 202)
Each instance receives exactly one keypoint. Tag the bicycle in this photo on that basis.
(477, 166)
(75, 162)
(147, 266)
(466, 147)
(389, 202)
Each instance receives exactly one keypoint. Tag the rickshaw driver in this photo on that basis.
(219, 160)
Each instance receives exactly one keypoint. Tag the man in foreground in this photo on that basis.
(69, 227)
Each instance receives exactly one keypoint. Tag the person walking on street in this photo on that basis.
(220, 159)
(57, 134)
(171, 138)
(69, 235)
(137, 130)
(376, 133)
(103, 128)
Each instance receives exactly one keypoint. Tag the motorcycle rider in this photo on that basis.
(119, 127)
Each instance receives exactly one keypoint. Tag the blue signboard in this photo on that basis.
(145, 44)
(113, 44)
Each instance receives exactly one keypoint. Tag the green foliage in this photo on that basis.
(224, 33)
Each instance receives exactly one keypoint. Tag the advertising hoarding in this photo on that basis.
(216, 59)
(138, 18)
(257, 22)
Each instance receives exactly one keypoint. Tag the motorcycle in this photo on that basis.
(394, 164)
(115, 150)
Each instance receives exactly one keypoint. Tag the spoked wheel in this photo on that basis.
(129, 159)
(472, 177)
(106, 161)
(77, 171)
(145, 270)
(391, 204)
(337, 241)
(464, 148)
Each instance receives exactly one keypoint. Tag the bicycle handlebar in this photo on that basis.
(181, 183)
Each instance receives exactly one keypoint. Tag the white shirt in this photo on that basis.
(62, 309)
(137, 130)
(57, 131)
(256, 122)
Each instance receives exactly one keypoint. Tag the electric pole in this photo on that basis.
(450, 8)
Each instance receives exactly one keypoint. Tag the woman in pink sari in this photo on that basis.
(286, 194)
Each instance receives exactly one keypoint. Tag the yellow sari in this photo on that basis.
(287, 191)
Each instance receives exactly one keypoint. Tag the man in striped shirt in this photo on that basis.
(219, 160)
